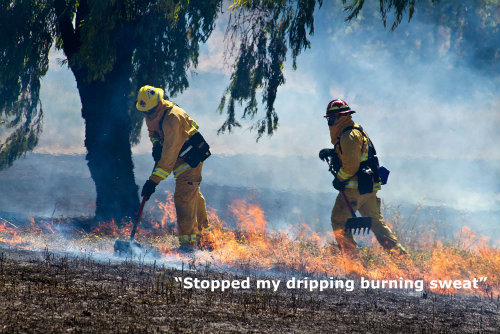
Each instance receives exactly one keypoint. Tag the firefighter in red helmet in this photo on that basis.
(352, 152)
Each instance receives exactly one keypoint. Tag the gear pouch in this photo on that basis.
(365, 180)
(195, 150)
(384, 174)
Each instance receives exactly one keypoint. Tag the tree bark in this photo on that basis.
(107, 139)
(107, 121)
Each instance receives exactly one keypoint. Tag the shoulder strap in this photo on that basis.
(359, 127)
(371, 148)
(349, 128)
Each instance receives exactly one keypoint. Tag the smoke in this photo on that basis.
(432, 115)
(64, 128)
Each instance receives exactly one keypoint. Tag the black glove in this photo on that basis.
(148, 189)
(339, 185)
(157, 148)
(326, 152)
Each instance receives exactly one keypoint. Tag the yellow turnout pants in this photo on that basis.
(189, 202)
(369, 206)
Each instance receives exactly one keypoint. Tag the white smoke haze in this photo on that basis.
(435, 125)
(64, 128)
(213, 59)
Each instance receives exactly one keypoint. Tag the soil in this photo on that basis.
(43, 292)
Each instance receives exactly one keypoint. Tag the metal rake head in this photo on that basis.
(358, 225)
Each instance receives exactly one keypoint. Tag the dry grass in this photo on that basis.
(50, 291)
(41, 292)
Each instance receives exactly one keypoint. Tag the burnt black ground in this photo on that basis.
(43, 292)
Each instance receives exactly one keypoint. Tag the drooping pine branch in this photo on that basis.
(259, 36)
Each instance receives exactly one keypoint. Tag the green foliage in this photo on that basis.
(262, 32)
(160, 32)
(397, 7)
(468, 30)
(26, 30)
(159, 41)
(163, 59)
(23, 139)
(260, 35)
(162, 38)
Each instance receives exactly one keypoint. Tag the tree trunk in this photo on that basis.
(107, 139)
(105, 110)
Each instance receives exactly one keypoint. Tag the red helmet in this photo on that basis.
(338, 107)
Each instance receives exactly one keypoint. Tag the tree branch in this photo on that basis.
(64, 25)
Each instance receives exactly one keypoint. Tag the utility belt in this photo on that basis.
(195, 150)
(368, 174)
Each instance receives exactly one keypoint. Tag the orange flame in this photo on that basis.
(168, 212)
(309, 252)
(300, 249)
(9, 235)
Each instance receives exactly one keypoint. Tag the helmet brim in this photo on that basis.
(340, 113)
(143, 109)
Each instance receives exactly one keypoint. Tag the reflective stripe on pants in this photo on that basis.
(188, 239)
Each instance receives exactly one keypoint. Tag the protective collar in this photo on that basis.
(340, 124)
(162, 106)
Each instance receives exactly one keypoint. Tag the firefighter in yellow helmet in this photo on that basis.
(357, 175)
(180, 149)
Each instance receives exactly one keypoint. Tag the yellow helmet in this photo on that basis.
(148, 98)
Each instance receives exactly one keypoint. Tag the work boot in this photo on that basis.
(187, 243)
(187, 248)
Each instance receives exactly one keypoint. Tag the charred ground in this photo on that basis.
(44, 292)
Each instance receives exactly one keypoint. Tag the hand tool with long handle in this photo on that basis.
(126, 247)
(123, 247)
(356, 224)
(353, 224)
(136, 222)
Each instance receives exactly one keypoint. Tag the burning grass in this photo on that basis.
(298, 250)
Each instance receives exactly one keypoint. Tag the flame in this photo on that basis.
(168, 212)
(9, 235)
(304, 250)
(299, 249)
(110, 228)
